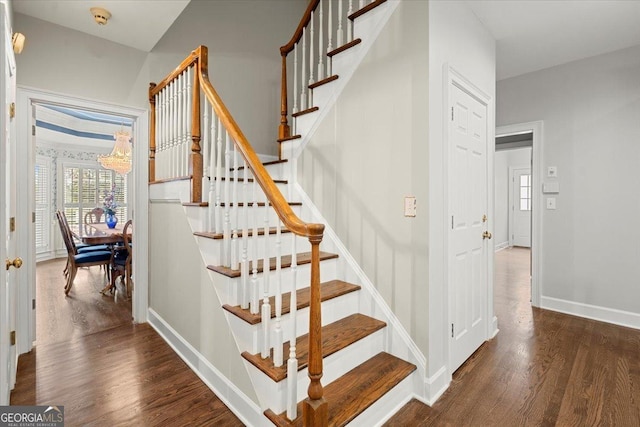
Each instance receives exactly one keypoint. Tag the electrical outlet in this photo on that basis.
(410, 206)
(551, 202)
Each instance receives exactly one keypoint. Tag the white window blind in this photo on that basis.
(84, 188)
(43, 205)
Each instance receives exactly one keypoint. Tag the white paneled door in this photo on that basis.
(468, 245)
(521, 207)
(8, 354)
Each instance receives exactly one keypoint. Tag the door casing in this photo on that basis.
(26, 97)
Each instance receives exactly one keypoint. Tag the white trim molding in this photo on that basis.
(537, 171)
(594, 312)
(244, 408)
(436, 385)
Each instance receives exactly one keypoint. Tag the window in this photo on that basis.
(525, 192)
(84, 188)
(43, 204)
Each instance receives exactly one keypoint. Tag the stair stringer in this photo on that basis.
(398, 342)
(367, 27)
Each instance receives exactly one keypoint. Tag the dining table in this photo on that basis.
(100, 234)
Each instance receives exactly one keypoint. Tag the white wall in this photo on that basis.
(591, 114)
(503, 160)
(369, 153)
(457, 39)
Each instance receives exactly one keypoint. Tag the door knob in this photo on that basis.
(17, 263)
(487, 235)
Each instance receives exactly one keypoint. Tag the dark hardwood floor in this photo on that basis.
(543, 368)
(104, 369)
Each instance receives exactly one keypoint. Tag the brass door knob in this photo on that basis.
(487, 235)
(17, 263)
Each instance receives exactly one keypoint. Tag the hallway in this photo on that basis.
(103, 369)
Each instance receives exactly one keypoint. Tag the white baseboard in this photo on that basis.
(435, 386)
(501, 246)
(494, 328)
(603, 314)
(244, 408)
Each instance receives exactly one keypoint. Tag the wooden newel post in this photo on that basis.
(284, 130)
(315, 408)
(152, 134)
(195, 160)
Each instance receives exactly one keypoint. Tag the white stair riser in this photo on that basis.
(229, 288)
(198, 216)
(272, 395)
(250, 337)
(211, 249)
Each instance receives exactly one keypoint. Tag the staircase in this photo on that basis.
(318, 352)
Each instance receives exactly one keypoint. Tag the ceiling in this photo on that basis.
(535, 34)
(134, 23)
(530, 34)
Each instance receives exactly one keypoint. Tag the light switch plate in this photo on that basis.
(551, 202)
(552, 171)
(551, 187)
(410, 206)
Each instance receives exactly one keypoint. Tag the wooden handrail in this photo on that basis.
(262, 177)
(284, 50)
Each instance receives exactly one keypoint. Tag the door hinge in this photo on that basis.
(452, 330)
(451, 113)
(33, 130)
(12, 224)
(12, 337)
(33, 304)
(33, 217)
(452, 222)
(12, 110)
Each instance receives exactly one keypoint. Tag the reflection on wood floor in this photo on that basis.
(543, 368)
(90, 358)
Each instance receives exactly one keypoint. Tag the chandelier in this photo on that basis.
(120, 158)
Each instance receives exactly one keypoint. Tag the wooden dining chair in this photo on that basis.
(121, 264)
(94, 216)
(76, 260)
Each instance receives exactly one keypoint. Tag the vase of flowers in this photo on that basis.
(110, 205)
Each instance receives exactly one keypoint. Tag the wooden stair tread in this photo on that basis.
(335, 337)
(328, 290)
(351, 394)
(289, 138)
(218, 236)
(241, 204)
(323, 81)
(307, 111)
(271, 162)
(366, 9)
(344, 47)
(303, 258)
(277, 181)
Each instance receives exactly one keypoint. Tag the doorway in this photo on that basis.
(518, 194)
(27, 99)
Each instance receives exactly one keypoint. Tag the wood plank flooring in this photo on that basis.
(543, 368)
(105, 370)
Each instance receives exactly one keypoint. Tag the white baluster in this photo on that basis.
(321, 44)
(245, 240)
(170, 129)
(292, 363)
(235, 252)
(163, 140)
(266, 306)
(212, 174)
(205, 141)
(277, 346)
(255, 292)
(180, 124)
(158, 131)
(303, 82)
(340, 35)
(330, 31)
(218, 228)
(350, 22)
(361, 4)
(189, 119)
(295, 86)
(311, 63)
(226, 252)
(174, 128)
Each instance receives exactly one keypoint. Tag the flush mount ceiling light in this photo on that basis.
(18, 42)
(100, 15)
